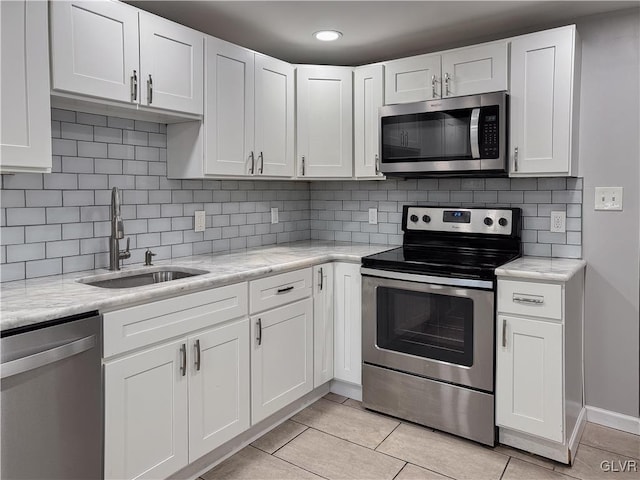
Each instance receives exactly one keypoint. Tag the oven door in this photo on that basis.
(442, 332)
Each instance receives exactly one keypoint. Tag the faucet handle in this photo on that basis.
(147, 257)
(124, 254)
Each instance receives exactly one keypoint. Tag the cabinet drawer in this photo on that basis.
(528, 298)
(271, 292)
(143, 325)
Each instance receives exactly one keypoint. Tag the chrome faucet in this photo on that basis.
(117, 233)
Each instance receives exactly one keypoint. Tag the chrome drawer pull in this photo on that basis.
(259, 333)
(504, 332)
(285, 290)
(183, 359)
(198, 355)
(529, 300)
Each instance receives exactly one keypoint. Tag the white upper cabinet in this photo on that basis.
(325, 126)
(171, 65)
(229, 109)
(94, 49)
(544, 99)
(464, 71)
(113, 51)
(25, 136)
(274, 117)
(472, 70)
(368, 97)
(412, 79)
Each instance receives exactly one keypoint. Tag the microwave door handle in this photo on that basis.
(473, 133)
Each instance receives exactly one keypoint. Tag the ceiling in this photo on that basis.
(372, 30)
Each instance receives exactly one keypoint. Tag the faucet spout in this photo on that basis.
(117, 233)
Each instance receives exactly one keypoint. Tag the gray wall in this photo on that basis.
(59, 222)
(609, 156)
(339, 210)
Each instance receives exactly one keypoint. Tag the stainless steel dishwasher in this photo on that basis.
(51, 381)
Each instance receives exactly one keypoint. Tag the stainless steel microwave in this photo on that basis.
(451, 136)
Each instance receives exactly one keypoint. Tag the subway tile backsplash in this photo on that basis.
(59, 222)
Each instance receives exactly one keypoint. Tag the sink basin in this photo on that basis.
(141, 277)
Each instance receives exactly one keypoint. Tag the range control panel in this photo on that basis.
(464, 220)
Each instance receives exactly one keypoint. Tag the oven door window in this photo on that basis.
(437, 327)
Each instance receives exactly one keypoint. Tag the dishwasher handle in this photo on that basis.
(46, 357)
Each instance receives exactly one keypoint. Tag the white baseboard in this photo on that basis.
(576, 435)
(346, 389)
(619, 421)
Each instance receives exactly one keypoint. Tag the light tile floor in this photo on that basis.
(336, 438)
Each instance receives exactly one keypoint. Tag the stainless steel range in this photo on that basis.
(428, 316)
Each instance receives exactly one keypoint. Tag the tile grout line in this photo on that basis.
(505, 467)
(401, 469)
(295, 465)
(382, 441)
(609, 451)
(290, 440)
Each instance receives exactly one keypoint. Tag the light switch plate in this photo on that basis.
(559, 222)
(199, 221)
(274, 215)
(608, 198)
(373, 216)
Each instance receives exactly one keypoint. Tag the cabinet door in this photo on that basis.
(368, 97)
(479, 69)
(171, 65)
(412, 79)
(274, 117)
(229, 109)
(348, 323)
(322, 324)
(542, 75)
(529, 377)
(282, 358)
(145, 413)
(94, 49)
(25, 136)
(218, 387)
(325, 135)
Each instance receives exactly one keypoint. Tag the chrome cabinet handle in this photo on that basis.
(183, 359)
(303, 165)
(253, 163)
(47, 357)
(150, 89)
(198, 354)
(433, 86)
(530, 300)
(134, 87)
(473, 133)
(321, 279)
(261, 157)
(377, 164)
(259, 336)
(446, 84)
(515, 158)
(285, 289)
(504, 332)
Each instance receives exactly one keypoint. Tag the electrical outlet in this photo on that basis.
(559, 222)
(608, 198)
(199, 221)
(373, 216)
(274, 215)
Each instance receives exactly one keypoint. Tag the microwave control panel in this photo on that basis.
(490, 135)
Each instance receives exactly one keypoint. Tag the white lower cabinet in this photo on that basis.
(347, 323)
(281, 357)
(322, 324)
(218, 387)
(145, 413)
(529, 360)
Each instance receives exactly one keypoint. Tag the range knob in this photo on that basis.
(426, 218)
(488, 221)
(503, 222)
(413, 218)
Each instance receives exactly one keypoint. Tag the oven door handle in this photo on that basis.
(473, 133)
(413, 277)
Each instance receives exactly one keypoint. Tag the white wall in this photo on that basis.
(610, 156)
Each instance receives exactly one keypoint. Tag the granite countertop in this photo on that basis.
(542, 268)
(27, 302)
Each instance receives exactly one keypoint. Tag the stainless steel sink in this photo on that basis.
(141, 277)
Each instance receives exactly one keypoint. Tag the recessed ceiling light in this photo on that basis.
(327, 35)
